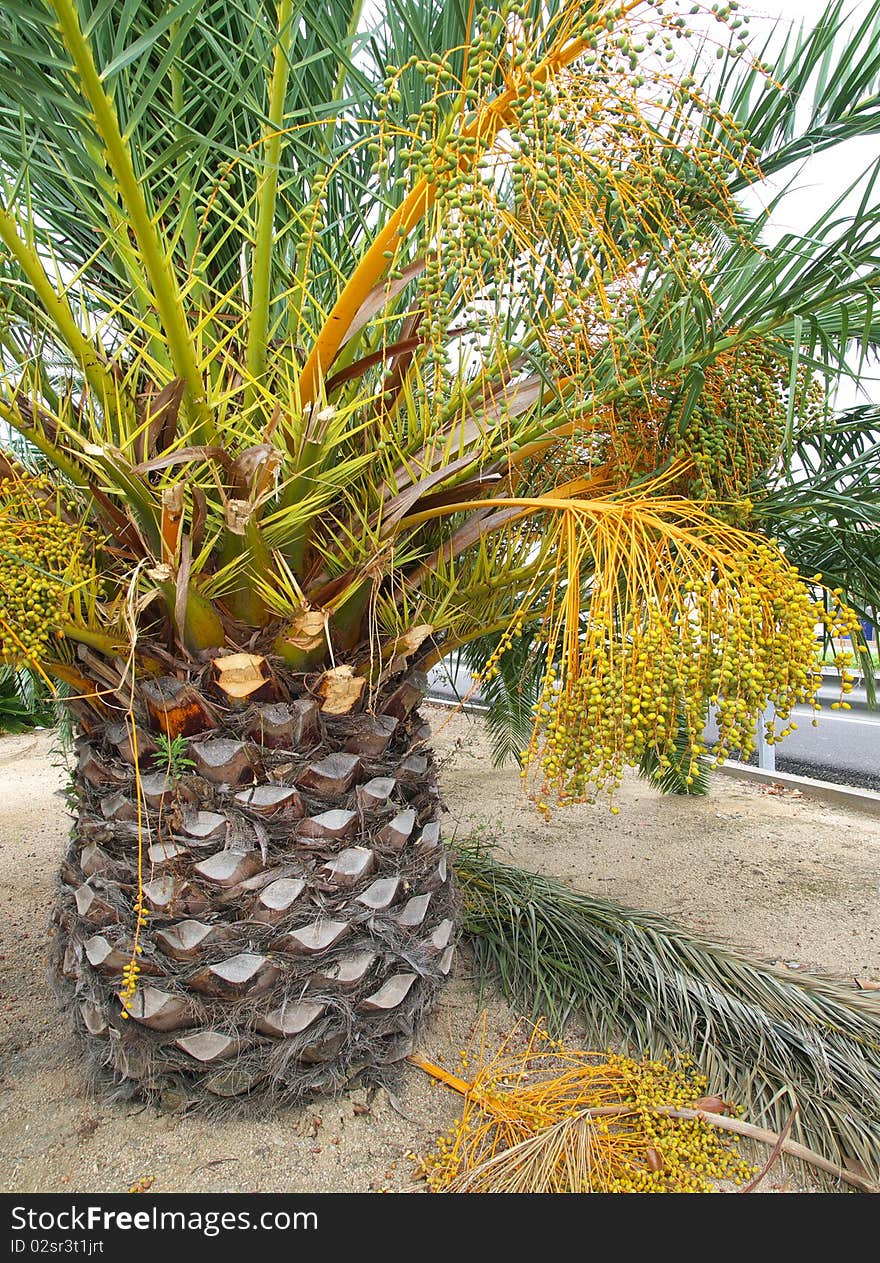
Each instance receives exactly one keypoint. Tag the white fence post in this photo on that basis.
(766, 752)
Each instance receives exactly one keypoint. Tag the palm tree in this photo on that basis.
(344, 342)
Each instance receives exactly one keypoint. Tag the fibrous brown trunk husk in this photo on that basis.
(301, 904)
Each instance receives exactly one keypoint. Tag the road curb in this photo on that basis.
(825, 791)
(450, 703)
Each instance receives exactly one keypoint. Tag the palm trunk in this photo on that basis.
(299, 898)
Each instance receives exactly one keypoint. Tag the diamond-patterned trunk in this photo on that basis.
(300, 900)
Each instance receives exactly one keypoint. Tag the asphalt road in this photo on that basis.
(844, 747)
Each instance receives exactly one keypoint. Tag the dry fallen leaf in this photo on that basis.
(712, 1105)
(857, 1168)
(778, 790)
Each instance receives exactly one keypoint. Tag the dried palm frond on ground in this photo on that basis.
(759, 1036)
(546, 1118)
(541, 1117)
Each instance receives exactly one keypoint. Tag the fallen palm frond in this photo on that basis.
(545, 1118)
(759, 1036)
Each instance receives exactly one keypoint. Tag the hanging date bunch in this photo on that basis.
(678, 612)
(44, 556)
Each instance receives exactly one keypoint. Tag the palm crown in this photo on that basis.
(349, 341)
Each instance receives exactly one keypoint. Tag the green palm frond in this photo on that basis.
(512, 695)
(824, 508)
(821, 98)
(25, 702)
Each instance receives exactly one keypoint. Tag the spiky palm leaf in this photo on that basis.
(247, 226)
(24, 701)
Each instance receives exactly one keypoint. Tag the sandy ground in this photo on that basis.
(787, 879)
